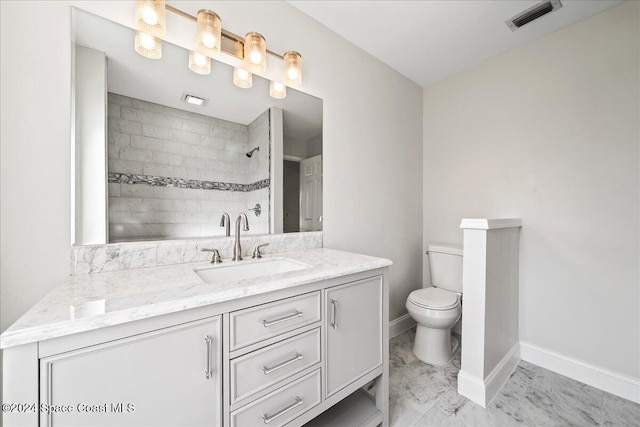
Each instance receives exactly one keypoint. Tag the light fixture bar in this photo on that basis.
(225, 34)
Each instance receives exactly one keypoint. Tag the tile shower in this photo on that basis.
(172, 173)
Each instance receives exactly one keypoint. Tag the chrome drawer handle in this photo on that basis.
(209, 372)
(268, 418)
(267, 323)
(334, 312)
(295, 358)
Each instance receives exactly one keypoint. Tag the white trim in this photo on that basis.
(399, 325)
(612, 382)
(490, 223)
(471, 387)
(292, 158)
(482, 392)
(501, 373)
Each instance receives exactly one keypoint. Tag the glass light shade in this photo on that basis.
(199, 63)
(242, 78)
(292, 69)
(148, 45)
(255, 53)
(209, 37)
(151, 17)
(277, 90)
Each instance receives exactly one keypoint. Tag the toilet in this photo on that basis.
(437, 308)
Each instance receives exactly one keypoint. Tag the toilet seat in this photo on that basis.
(434, 298)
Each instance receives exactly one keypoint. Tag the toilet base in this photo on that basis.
(433, 346)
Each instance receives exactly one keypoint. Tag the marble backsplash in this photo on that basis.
(123, 256)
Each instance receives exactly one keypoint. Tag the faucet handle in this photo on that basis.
(215, 258)
(256, 250)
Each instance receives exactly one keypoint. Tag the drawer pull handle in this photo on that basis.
(268, 418)
(295, 358)
(209, 372)
(334, 314)
(267, 323)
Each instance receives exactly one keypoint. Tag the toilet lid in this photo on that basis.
(434, 298)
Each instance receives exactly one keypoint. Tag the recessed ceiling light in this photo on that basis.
(192, 99)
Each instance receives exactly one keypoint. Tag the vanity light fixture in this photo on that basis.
(277, 90)
(292, 69)
(151, 17)
(242, 78)
(195, 100)
(148, 45)
(199, 63)
(210, 43)
(255, 53)
(209, 37)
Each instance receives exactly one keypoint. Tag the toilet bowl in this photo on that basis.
(437, 308)
(434, 322)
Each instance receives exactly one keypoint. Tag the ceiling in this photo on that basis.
(163, 81)
(429, 40)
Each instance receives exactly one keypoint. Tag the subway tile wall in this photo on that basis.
(151, 140)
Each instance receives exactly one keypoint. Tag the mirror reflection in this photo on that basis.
(162, 152)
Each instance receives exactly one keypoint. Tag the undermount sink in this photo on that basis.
(233, 272)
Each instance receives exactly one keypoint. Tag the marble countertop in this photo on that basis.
(93, 301)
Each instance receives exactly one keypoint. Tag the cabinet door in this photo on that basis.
(168, 377)
(354, 331)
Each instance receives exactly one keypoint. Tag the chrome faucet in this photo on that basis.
(226, 222)
(237, 250)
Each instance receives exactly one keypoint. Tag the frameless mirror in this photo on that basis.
(151, 164)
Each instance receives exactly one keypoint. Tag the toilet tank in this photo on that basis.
(445, 265)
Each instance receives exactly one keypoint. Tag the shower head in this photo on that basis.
(250, 153)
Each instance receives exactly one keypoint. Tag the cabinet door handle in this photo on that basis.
(268, 418)
(267, 323)
(295, 358)
(209, 342)
(334, 314)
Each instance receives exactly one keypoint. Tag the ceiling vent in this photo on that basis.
(536, 11)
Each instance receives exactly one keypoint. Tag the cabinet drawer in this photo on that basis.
(281, 406)
(255, 324)
(262, 368)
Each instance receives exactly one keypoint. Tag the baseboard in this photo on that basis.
(612, 382)
(472, 388)
(501, 373)
(399, 325)
(482, 391)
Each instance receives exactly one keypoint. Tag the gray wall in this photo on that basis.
(549, 133)
(291, 196)
(35, 154)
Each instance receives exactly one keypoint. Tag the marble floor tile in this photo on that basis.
(414, 389)
(617, 411)
(560, 401)
(400, 350)
(426, 395)
(453, 409)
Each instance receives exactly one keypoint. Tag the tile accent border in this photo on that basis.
(612, 382)
(162, 181)
(127, 255)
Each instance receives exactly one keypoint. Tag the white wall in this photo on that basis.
(372, 144)
(90, 155)
(35, 151)
(550, 133)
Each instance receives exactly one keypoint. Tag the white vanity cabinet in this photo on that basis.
(300, 354)
(354, 331)
(171, 376)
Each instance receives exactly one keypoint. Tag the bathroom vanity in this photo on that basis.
(307, 342)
